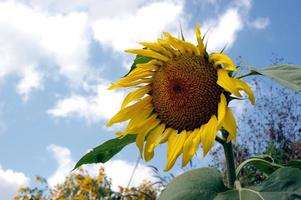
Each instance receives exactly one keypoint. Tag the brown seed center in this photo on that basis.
(185, 92)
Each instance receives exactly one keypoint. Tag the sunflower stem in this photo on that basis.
(230, 164)
(220, 140)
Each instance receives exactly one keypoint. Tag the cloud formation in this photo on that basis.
(147, 23)
(10, 182)
(119, 171)
(103, 104)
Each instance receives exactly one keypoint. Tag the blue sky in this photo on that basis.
(58, 57)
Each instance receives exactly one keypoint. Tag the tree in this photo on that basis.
(80, 186)
(272, 128)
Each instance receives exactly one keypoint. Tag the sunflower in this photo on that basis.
(181, 98)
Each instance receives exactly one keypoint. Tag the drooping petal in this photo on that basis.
(164, 137)
(126, 113)
(227, 82)
(166, 44)
(189, 146)
(136, 94)
(190, 47)
(220, 58)
(199, 39)
(229, 125)
(138, 117)
(158, 48)
(151, 141)
(142, 68)
(222, 106)
(209, 134)
(143, 130)
(122, 84)
(174, 42)
(148, 53)
(243, 86)
(174, 148)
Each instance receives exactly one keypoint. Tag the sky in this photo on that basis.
(58, 57)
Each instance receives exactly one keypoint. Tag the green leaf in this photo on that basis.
(241, 194)
(138, 60)
(105, 151)
(288, 75)
(283, 180)
(283, 184)
(202, 183)
(262, 164)
(294, 163)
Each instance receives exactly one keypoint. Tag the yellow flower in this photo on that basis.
(181, 97)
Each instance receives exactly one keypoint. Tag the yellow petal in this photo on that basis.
(126, 113)
(222, 106)
(199, 39)
(148, 53)
(174, 148)
(243, 86)
(143, 129)
(151, 141)
(142, 68)
(121, 84)
(196, 140)
(190, 48)
(136, 94)
(189, 146)
(136, 76)
(157, 47)
(229, 125)
(164, 137)
(228, 83)
(166, 45)
(153, 63)
(209, 134)
(220, 58)
(173, 42)
(138, 117)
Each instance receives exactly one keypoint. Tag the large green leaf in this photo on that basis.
(138, 60)
(241, 194)
(288, 75)
(283, 184)
(294, 163)
(202, 183)
(105, 151)
(282, 180)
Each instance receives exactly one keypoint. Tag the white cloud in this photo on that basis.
(119, 171)
(10, 182)
(260, 23)
(103, 105)
(147, 23)
(33, 40)
(95, 9)
(62, 155)
(223, 31)
(244, 5)
(31, 79)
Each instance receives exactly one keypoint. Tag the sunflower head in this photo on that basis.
(180, 98)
